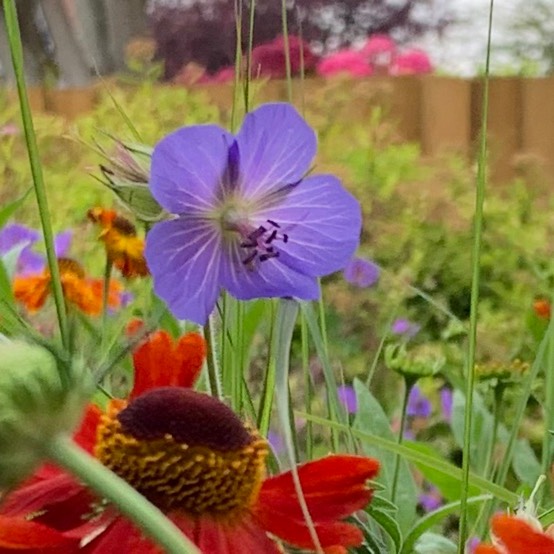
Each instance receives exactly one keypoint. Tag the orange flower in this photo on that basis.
(189, 454)
(541, 306)
(517, 535)
(84, 293)
(123, 247)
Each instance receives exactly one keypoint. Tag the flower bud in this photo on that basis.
(419, 361)
(126, 174)
(40, 397)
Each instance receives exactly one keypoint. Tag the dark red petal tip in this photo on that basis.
(190, 417)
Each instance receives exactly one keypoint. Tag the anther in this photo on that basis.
(271, 237)
(274, 223)
(268, 255)
(255, 235)
(285, 238)
(250, 258)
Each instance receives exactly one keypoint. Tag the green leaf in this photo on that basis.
(7, 211)
(430, 543)
(433, 518)
(371, 417)
(388, 522)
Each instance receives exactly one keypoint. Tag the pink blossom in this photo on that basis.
(349, 62)
(412, 62)
(380, 50)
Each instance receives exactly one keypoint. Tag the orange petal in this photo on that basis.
(486, 549)
(32, 290)
(21, 534)
(519, 537)
(160, 363)
(121, 536)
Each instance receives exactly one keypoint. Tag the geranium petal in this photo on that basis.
(268, 279)
(276, 147)
(14, 234)
(188, 167)
(184, 259)
(323, 223)
(30, 262)
(62, 243)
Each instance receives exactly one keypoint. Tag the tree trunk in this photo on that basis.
(125, 19)
(33, 50)
(72, 62)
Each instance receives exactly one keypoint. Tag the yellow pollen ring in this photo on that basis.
(174, 476)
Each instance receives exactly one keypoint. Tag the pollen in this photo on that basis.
(164, 457)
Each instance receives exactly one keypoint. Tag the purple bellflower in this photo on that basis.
(362, 273)
(247, 218)
(347, 397)
(418, 404)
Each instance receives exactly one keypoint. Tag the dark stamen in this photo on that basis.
(275, 224)
(268, 255)
(285, 238)
(271, 237)
(250, 258)
(248, 244)
(255, 235)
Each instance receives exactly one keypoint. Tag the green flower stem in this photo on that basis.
(211, 360)
(16, 50)
(407, 387)
(546, 458)
(105, 300)
(248, 76)
(129, 502)
(287, 49)
(308, 387)
(496, 411)
(476, 274)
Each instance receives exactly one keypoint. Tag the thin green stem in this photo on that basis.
(238, 62)
(248, 75)
(546, 457)
(476, 274)
(238, 367)
(287, 49)
(16, 49)
(496, 410)
(129, 502)
(308, 386)
(214, 376)
(403, 414)
(268, 391)
(105, 300)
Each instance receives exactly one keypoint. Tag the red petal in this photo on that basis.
(334, 487)
(485, 549)
(160, 363)
(216, 537)
(86, 435)
(20, 534)
(519, 537)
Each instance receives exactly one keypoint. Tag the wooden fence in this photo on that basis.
(440, 113)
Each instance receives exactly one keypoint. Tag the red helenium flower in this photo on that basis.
(514, 535)
(189, 454)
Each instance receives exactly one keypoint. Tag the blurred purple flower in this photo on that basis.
(247, 218)
(446, 403)
(418, 404)
(29, 261)
(9, 130)
(360, 272)
(431, 499)
(276, 442)
(472, 544)
(405, 327)
(347, 397)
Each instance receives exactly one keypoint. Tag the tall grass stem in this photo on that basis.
(16, 50)
(475, 280)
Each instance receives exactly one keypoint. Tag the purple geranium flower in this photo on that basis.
(446, 403)
(418, 404)
(431, 499)
(347, 397)
(247, 218)
(405, 327)
(29, 261)
(362, 273)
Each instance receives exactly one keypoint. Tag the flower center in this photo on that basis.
(183, 451)
(259, 243)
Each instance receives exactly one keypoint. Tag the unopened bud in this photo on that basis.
(40, 398)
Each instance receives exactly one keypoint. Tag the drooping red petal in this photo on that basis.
(121, 536)
(334, 487)
(160, 363)
(21, 534)
(217, 537)
(519, 537)
(485, 549)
